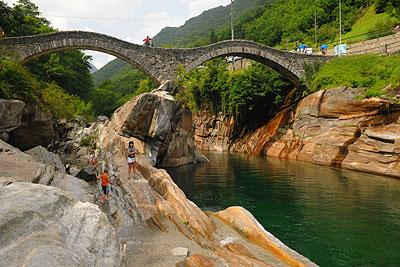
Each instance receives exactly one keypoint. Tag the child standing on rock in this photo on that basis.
(105, 182)
(131, 158)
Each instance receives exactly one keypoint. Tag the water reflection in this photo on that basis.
(335, 217)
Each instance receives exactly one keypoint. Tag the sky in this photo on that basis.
(129, 20)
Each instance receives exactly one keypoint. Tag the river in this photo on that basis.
(334, 217)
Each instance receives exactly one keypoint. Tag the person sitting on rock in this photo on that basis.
(105, 182)
(131, 158)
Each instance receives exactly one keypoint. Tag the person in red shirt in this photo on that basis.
(147, 41)
(105, 182)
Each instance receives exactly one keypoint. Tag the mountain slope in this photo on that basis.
(201, 26)
(196, 28)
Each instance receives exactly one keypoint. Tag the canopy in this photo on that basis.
(324, 46)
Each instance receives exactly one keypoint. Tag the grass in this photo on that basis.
(369, 22)
(379, 75)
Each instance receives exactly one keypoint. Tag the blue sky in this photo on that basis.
(130, 20)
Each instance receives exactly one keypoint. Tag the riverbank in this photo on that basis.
(147, 214)
(335, 127)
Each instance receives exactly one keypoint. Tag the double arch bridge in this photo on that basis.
(161, 63)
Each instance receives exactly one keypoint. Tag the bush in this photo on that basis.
(64, 105)
(17, 82)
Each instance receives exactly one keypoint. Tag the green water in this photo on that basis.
(333, 217)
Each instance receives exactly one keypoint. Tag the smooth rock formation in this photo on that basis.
(52, 163)
(36, 128)
(244, 222)
(161, 127)
(44, 226)
(213, 132)
(17, 166)
(10, 116)
(38, 165)
(334, 127)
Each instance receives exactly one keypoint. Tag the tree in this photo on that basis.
(213, 37)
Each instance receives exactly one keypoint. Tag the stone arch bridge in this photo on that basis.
(161, 63)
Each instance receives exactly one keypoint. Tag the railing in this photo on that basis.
(386, 42)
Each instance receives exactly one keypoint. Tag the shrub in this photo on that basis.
(64, 105)
(17, 82)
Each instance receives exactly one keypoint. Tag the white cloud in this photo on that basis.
(196, 7)
(131, 20)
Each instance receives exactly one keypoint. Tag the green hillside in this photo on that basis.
(200, 27)
(110, 70)
(191, 33)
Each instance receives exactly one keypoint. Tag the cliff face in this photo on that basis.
(334, 127)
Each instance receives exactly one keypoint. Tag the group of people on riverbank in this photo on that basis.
(104, 175)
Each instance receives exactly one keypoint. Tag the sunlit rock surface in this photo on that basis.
(335, 127)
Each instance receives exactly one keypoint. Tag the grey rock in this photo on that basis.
(164, 126)
(36, 128)
(45, 226)
(80, 189)
(53, 166)
(17, 166)
(74, 139)
(88, 174)
(10, 114)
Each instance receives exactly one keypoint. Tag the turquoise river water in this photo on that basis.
(334, 217)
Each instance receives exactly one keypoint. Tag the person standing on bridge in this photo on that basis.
(147, 41)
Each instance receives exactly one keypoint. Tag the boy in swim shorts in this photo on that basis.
(105, 182)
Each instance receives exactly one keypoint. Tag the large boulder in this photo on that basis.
(10, 116)
(52, 163)
(162, 128)
(38, 165)
(36, 128)
(87, 173)
(17, 166)
(44, 226)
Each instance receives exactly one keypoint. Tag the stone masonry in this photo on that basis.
(160, 63)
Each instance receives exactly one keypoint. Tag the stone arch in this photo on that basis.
(290, 65)
(35, 46)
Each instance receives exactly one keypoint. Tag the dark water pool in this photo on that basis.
(334, 217)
